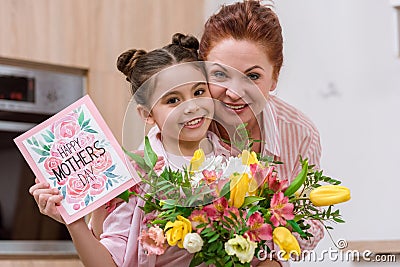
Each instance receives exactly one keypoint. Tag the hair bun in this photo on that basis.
(127, 60)
(186, 41)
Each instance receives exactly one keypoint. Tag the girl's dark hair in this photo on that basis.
(248, 20)
(138, 65)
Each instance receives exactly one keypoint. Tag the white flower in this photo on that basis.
(195, 179)
(235, 165)
(213, 164)
(243, 248)
(193, 242)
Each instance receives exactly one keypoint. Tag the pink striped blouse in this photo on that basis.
(287, 134)
(297, 136)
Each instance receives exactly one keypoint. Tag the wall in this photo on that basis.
(91, 34)
(341, 69)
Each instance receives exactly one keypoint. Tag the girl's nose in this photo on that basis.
(191, 107)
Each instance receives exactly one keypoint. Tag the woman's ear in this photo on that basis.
(145, 114)
(273, 85)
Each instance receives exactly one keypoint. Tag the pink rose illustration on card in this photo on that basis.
(76, 152)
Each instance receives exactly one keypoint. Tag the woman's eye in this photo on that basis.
(219, 74)
(172, 100)
(199, 92)
(253, 76)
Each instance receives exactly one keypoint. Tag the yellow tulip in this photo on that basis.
(286, 241)
(239, 188)
(329, 195)
(176, 231)
(197, 159)
(248, 157)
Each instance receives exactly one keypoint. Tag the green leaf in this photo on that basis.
(297, 228)
(125, 195)
(299, 180)
(50, 134)
(81, 118)
(41, 159)
(251, 199)
(338, 220)
(41, 152)
(226, 190)
(150, 157)
(29, 141)
(47, 139)
(90, 131)
(252, 210)
(85, 123)
(138, 159)
(214, 238)
(197, 260)
(35, 141)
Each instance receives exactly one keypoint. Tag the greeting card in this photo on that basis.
(76, 152)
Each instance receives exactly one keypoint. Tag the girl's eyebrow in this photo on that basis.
(176, 92)
(167, 94)
(198, 84)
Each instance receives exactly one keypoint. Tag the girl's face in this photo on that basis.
(240, 76)
(183, 107)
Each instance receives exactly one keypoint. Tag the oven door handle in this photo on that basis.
(16, 126)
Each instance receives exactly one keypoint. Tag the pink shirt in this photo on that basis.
(123, 226)
(288, 133)
(297, 136)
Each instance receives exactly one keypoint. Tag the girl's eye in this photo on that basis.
(199, 92)
(253, 76)
(172, 100)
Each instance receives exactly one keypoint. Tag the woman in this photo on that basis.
(247, 36)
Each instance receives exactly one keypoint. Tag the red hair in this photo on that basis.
(248, 20)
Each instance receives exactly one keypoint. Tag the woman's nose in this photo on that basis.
(235, 91)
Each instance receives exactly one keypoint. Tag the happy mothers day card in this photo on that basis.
(76, 152)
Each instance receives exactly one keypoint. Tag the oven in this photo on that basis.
(29, 94)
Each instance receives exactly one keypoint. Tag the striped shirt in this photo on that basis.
(288, 134)
(297, 136)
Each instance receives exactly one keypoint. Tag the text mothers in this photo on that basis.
(77, 158)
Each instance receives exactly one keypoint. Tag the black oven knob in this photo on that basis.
(52, 96)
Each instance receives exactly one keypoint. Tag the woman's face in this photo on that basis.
(240, 76)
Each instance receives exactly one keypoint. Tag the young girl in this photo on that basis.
(177, 102)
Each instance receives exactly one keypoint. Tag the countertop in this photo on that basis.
(10, 249)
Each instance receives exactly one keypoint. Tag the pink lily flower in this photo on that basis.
(275, 184)
(281, 209)
(198, 217)
(211, 176)
(258, 229)
(216, 209)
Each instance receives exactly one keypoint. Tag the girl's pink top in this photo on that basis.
(123, 226)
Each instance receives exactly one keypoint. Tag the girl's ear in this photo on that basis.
(145, 114)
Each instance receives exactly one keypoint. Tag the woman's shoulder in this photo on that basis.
(287, 114)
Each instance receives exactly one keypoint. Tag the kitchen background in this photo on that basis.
(341, 68)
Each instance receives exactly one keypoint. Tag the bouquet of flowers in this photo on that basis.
(225, 211)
